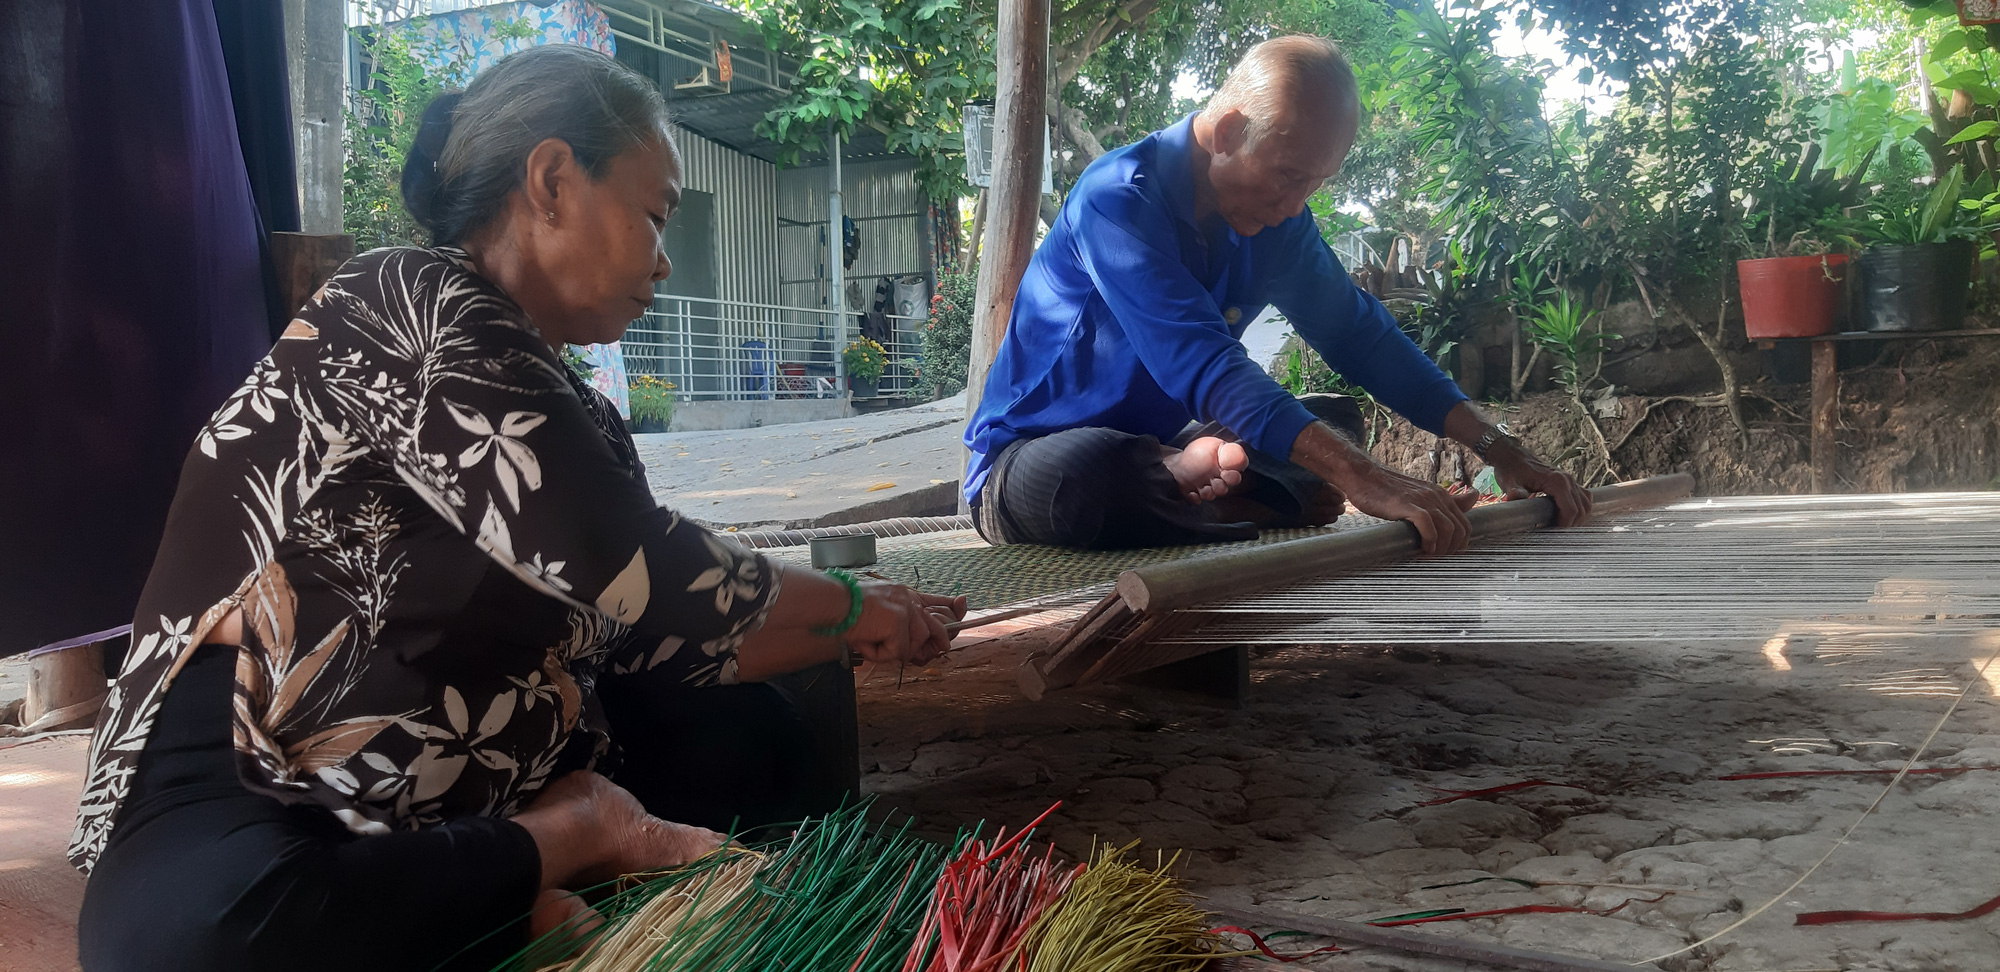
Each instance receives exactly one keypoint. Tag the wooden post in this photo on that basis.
(66, 687)
(304, 262)
(1014, 201)
(1825, 414)
(316, 61)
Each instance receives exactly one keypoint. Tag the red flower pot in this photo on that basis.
(1789, 297)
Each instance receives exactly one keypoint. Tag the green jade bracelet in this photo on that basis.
(853, 608)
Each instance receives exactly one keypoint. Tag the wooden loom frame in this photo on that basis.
(1119, 635)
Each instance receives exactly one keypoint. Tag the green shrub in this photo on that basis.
(1561, 326)
(948, 333)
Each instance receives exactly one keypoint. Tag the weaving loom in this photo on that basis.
(1651, 566)
(1752, 568)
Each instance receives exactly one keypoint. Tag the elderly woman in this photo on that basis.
(359, 725)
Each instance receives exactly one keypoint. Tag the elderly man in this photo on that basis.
(1127, 330)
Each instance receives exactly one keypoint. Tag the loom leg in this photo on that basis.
(824, 698)
(1825, 412)
(1223, 676)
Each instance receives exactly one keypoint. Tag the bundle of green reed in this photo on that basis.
(840, 894)
(985, 901)
(845, 896)
(1120, 917)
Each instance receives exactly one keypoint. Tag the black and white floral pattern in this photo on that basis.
(410, 447)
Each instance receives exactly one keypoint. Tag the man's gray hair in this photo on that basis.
(1296, 67)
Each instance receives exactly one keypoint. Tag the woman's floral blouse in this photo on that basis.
(438, 539)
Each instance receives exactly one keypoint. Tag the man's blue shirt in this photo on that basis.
(1131, 316)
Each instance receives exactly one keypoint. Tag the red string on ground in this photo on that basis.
(1491, 790)
(1839, 917)
(1258, 940)
(1518, 910)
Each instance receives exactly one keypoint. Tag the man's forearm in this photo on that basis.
(1465, 423)
(1329, 455)
(1337, 460)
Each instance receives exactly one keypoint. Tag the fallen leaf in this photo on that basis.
(791, 495)
(729, 529)
(937, 482)
(879, 486)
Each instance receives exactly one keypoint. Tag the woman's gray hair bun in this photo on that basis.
(471, 149)
(422, 182)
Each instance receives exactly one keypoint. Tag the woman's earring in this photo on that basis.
(552, 217)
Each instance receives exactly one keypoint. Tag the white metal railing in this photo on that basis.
(723, 350)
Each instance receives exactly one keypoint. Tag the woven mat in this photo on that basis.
(959, 562)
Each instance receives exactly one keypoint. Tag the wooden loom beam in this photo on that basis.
(1114, 638)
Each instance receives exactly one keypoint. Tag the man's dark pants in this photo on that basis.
(1100, 488)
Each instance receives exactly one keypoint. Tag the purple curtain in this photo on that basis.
(132, 295)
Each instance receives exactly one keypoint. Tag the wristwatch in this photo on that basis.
(1494, 434)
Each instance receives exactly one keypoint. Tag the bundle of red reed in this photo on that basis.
(985, 901)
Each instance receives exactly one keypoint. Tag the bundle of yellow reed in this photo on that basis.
(1121, 917)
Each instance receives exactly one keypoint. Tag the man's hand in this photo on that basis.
(1521, 475)
(1377, 491)
(1519, 472)
(1439, 516)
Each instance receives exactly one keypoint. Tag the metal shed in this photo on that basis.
(747, 314)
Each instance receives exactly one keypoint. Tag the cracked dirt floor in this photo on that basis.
(1307, 798)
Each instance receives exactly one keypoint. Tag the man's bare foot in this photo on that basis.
(1207, 468)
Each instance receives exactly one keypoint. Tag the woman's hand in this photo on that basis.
(590, 830)
(898, 624)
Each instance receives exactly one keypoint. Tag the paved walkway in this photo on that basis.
(899, 463)
(39, 892)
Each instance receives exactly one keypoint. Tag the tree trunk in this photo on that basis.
(1070, 57)
(1731, 390)
(1517, 375)
(1021, 125)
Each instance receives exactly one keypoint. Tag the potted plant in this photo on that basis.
(652, 403)
(1792, 296)
(1791, 284)
(864, 360)
(1917, 265)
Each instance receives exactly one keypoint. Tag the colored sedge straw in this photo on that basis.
(985, 901)
(685, 909)
(1120, 917)
(839, 894)
(688, 894)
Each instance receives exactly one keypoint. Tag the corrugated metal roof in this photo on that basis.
(673, 42)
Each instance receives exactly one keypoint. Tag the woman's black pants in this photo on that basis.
(202, 874)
